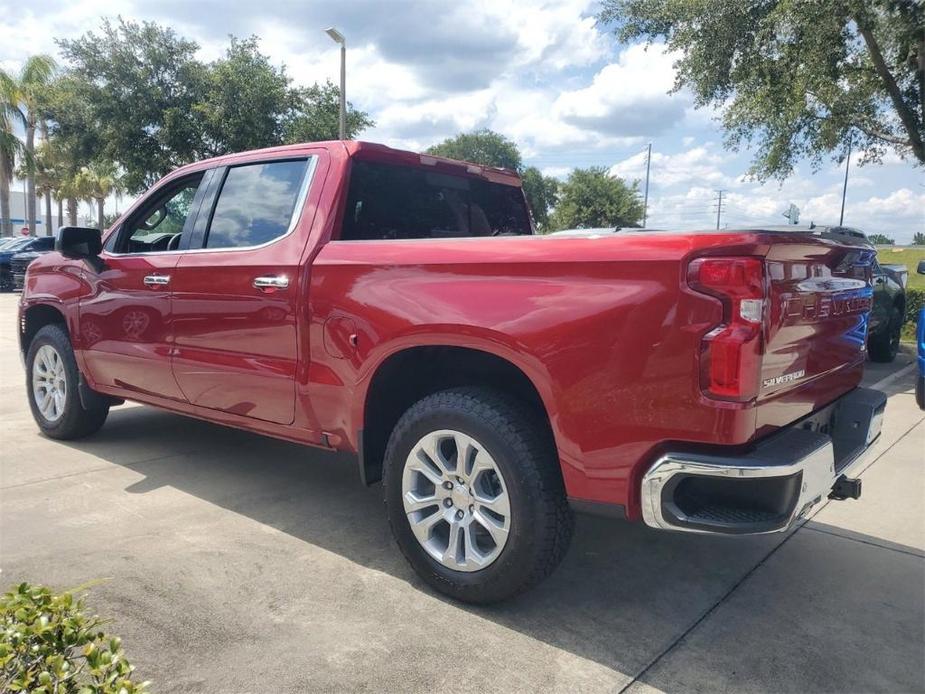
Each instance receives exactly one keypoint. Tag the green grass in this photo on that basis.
(909, 257)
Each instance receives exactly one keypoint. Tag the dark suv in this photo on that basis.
(886, 315)
(25, 255)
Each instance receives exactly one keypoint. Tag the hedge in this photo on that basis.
(49, 646)
(915, 299)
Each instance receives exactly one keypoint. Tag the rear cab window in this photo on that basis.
(258, 203)
(391, 201)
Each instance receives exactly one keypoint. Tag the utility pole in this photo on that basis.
(844, 190)
(719, 207)
(645, 204)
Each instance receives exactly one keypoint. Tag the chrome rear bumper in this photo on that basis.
(781, 479)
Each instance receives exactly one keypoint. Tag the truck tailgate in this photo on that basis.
(819, 298)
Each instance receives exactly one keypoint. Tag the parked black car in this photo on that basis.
(20, 259)
(10, 247)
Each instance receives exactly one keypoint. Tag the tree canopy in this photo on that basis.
(796, 78)
(542, 192)
(880, 239)
(483, 146)
(592, 198)
(490, 148)
(137, 95)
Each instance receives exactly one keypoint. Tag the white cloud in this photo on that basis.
(629, 97)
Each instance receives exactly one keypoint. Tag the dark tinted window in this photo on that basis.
(402, 202)
(256, 203)
(46, 243)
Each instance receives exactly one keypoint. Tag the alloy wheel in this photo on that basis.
(456, 500)
(49, 383)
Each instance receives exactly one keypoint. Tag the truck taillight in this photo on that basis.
(730, 365)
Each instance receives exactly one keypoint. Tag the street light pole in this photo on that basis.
(338, 37)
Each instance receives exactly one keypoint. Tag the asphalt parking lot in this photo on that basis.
(237, 563)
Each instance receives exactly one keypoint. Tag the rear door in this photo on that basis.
(236, 293)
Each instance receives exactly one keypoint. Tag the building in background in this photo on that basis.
(18, 215)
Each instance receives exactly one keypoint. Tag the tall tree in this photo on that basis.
(592, 198)
(542, 193)
(46, 179)
(10, 148)
(24, 96)
(314, 114)
(245, 100)
(797, 78)
(483, 146)
(135, 94)
(490, 148)
(95, 183)
(140, 85)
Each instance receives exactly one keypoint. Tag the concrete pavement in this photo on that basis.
(242, 564)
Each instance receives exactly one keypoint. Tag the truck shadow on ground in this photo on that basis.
(623, 594)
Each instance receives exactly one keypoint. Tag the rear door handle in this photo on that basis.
(271, 283)
(157, 280)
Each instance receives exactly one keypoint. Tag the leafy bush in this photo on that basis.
(915, 299)
(48, 646)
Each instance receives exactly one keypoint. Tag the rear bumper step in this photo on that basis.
(780, 480)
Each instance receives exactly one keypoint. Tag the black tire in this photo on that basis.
(526, 457)
(884, 346)
(76, 421)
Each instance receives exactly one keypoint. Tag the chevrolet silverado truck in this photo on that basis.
(399, 306)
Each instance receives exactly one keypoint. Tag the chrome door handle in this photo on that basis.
(271, 282)
(157, 280)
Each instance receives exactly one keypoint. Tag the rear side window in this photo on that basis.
(386, 201)
(256, 203)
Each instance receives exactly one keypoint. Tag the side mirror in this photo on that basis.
(79, 242)
(921, 269)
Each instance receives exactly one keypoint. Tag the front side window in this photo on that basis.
(256, 203)
(160, 223)
(387, 201)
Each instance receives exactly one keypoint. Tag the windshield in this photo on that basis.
(15, 244)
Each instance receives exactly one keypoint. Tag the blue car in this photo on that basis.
(920, 346)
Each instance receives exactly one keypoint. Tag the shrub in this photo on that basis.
(48, 646)
(915, 299)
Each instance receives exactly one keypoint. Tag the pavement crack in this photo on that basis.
(911, 553)
(725, 596)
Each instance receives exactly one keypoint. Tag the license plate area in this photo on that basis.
(853, 422)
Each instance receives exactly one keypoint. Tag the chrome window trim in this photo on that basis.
(307, 180)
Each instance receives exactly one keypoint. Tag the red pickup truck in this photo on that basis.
(398, 306)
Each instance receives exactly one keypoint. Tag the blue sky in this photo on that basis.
(542, 73)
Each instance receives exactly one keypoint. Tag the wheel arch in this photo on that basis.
(35, 317)
(410, 373)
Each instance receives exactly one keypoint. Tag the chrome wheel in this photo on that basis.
(49, 383)
(456, 500)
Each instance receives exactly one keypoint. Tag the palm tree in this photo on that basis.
(47, 179)
(70, 188)
(10, 150)
(97, 182)
(23, 98)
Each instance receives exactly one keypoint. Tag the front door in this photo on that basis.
(124, 322)
(236, 292)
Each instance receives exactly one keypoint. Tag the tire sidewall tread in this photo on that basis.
(77, 420)
(525, 453)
